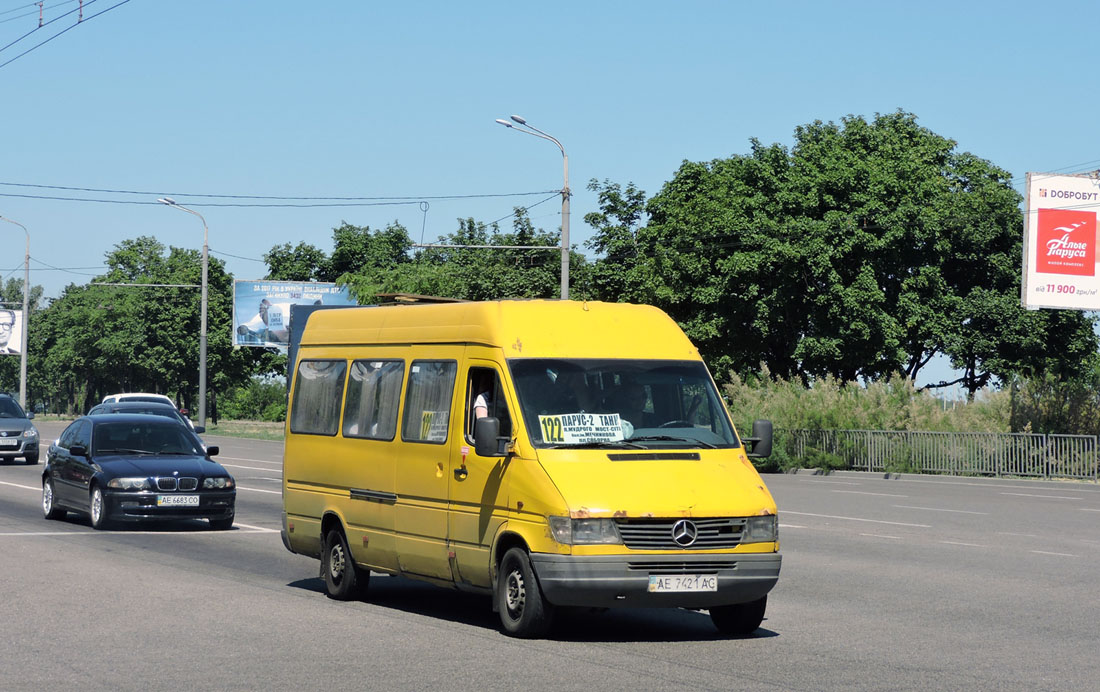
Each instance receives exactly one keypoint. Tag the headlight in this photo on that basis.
(763, 529)
(30, 433)
(129, 483)
(584, 531)
(219, 483)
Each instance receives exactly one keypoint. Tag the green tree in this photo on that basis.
(866, 249)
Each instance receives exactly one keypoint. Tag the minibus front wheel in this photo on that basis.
(523, 610)
(740, 619)
(344, 580)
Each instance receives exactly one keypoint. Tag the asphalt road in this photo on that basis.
(919, 583)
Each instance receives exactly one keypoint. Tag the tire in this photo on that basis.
(97, 509)
(49, 506)
(344, 580)
(524, 612)
(31, 458)
(221, 524)
(740, 619)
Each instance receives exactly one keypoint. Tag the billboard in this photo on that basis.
(11, 331)
(1060, 242)
(261, 309)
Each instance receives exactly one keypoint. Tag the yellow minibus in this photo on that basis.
(551, 454)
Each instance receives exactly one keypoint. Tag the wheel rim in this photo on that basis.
(336, 563)
(47, 497)
(515, 594)
(97, 506)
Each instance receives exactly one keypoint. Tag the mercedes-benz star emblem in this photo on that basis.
(684, 532)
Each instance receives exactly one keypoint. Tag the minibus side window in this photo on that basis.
(428, 401)
(374, 394)
(483, 387)
(318, 393)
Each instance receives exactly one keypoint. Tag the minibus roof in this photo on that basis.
(523, 328)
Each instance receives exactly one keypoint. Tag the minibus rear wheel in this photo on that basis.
(344, 580)
(523, 611)
(739, 619)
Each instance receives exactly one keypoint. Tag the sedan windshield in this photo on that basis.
(153, 437)
(620, 403)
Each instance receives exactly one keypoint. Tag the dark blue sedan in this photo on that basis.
(133, 467)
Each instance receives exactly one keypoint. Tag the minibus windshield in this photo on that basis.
(620, 403)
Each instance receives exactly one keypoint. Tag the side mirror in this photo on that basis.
(78, 451)
(486, 434)
(199, 429)
(30, 414)
(761, 439)
(212, 451)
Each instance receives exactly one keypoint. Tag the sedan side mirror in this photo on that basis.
(761, 439)
(212, 451)
(78, 451)
(199, 429)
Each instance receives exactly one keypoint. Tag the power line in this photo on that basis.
(63, 31)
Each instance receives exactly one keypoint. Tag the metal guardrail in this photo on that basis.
(954, 453)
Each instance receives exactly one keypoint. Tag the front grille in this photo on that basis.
(703, 567)
(170, 483)
(656, 534)
(189, 483)
(166, 483)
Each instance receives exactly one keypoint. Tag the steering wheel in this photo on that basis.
(677, 424)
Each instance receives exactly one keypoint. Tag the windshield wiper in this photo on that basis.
(123, 451)
(597, 445)
(670, 438)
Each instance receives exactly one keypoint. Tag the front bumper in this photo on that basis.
(130, 506)
(22, 449)
(610, 581)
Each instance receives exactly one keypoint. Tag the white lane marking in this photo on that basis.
(864, 492)
(937, 509)
(968, 545)
(257, 461)
(1048, 497)
(250, 468)
(841, 482)
(1043, 552)
(1021, 535)
(251, 529)
(791, 526)
(258, 490)
(871, 521)
(880, 535)
(1088, 509)
(36, 488)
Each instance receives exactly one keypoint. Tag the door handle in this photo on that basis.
(461, 472)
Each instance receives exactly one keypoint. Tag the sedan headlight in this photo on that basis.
(31, 432)
(584, 531)
(219, 483)
(130, 484)
(763, 529)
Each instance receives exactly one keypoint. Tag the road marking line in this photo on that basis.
(205, 532)
(260, 529)
(791, 526)
(871, 521)
(936, 509)
(1048, 497)
(258, 461)
(864, 492)
(880, 535)
(1088, 509)
(250, 468)
(258, 490)
(969, 545)
(25, 487)
(1021, 535)
(1043, 552)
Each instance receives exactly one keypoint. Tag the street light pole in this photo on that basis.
(26, 315)
(565, 194)
(202, 330)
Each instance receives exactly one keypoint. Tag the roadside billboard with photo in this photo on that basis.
(1060, 242)
(261, 309)
(11, 331)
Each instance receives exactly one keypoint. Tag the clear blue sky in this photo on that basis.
(398, 99)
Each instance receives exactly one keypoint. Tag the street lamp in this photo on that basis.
(26, 315)
(202, 331)
(534, 131)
